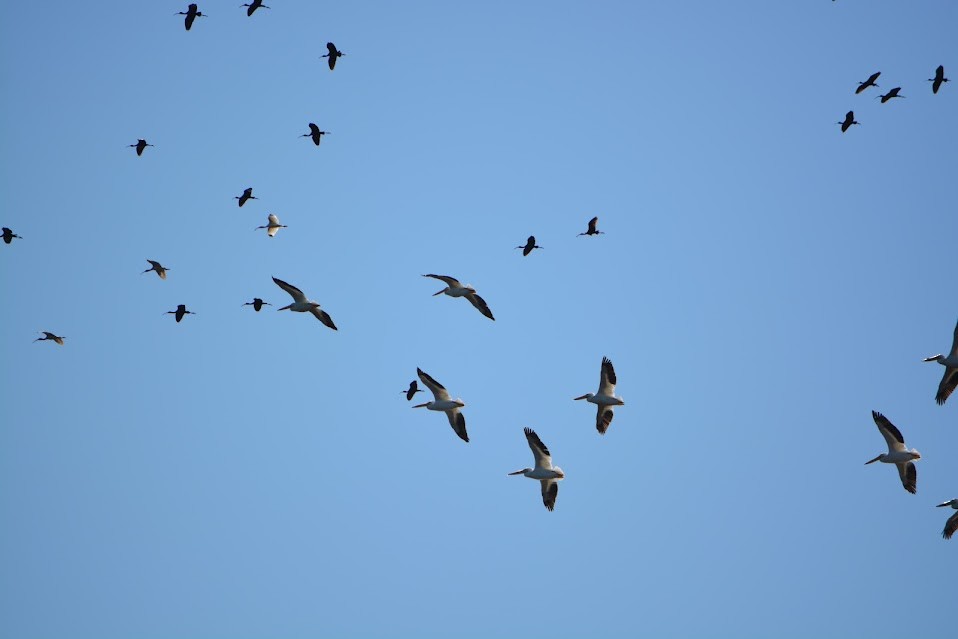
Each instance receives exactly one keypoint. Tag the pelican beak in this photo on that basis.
(439, 293)
(284, 308)
(931, 359)
(578, 398)
(518, 472)
(421, 405)
(947, 503)
(873, 460)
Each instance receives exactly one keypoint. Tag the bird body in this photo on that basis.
(938, 79)
(952, 524)
(315, 134)
(159, 268)
(332, 55)
(191, 14)
(898, 453)
(592, 230)
(605, 399)
(302, 305)
(544, 471)
(272, 225)
(529, 245)
(50, 336)
(180, 312)
(870, 82)
(456, 289)
(949, 380)
(140, 146)
(247, 195)
(848, 121)
(257, 304)
(445, 403)
(8, 235)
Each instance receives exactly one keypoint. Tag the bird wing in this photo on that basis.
(603, 419)
(331, 48)
(607, 378)
(550, 490)
(950, 526)
(480, 304)
(450, 281)
(909, 476)
(949, 380)
(539, 450)
(891, 434)
(297, 294)
(954, 344)
(438, 390)
(592, 224)
(458, 422)
(323, 317)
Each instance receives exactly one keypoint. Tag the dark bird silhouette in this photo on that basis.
(938, 79)
(159, 268)
(140, 146)
(870, 82)
(180, 312)
(247, 195)
(191, 14)
(8, 235)
(592, 230)
(56, 338)
(253, 6)
(848, 121)
(314, 133)
(332, 55)
(257, 303)
(413, 389)
(891, 94)
(529, 245)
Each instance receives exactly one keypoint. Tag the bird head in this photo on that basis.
(560, 474)
(459, 402)
(915, 454)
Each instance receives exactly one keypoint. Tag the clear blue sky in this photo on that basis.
(764, 283)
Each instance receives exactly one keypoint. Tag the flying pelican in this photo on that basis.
(257, 303)
(8, 235)
(897, 453)
(891, 94)
(191, 14)
(530, 244)
(332, 55)
(413, 389)
(272, 226)
(592, 230)
(253, 6)
(870, 82)
(180, 312)
(247, 195)
(950, 378)
(56, 338)
(140, 145)
(605, 399)
(455, 289)
(952, 524)
(938, 79)
(547, 474)
(315, 133)
(445, 403)
(159, 268)
(302, 305)
(848, 121)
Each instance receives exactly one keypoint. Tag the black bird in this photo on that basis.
(247, 195)
(140, 146)
(938, 79)
(413, 389)
(257, 303)
(253, 6)
(8, 235)
(159, 268)
(870, 82)
(191, 14)
(314, 133)
(56, 338)
(530, 244)
(592, 230)
(332, 55)
(849, 120)
(180, 312)
(891, 94)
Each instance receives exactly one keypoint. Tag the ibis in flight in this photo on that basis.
(180, 312)
(444, 402)
(547, 474)
(191, 14)
(247, 195)
(898, 453)
(253, 6)
(592, 230)
(950, 377)
(848, 121)
(870, 82)
(8, 235)
(455, 289)
(159, 268)
(50, 336)
(140, 146)
(891, 94)
(605, 399)
(315, 134)
(272, 225)
(529, 245)
(257, 303)
(302, 305)
(332, 55)
(413, 389)
(938, 79)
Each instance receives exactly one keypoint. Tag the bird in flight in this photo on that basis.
(898, 453)
(592, 230)
(455, 289)
(140, 146)
(332, 55)
(444, 402)
(253, 6)
(938, 79)
(50, 336)
(949, 380)
(315, 134)
(848, 121)
(891, 94)
(272, 225)
(547, 474)
(952, 524)
(302, 305)
(247, 195)
(180, 312)
(870, 82)
(529, 245)
(257, 304)
(605, 399)
(8, 235)
(159, 268)
(413, 389)
(191, 14)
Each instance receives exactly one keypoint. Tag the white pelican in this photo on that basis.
(529, 245)
(257, 304)
(455, 289)
(180, 312)
(950, 378)
(302, 305)
(413, 389)
(605, 398)
(547, 474)
(8, 235)
(952, 524)
(592, 230)
(247, 193)
(56, 338)
(272, 225)
(897, 453)
(446, 404)
(159, 268)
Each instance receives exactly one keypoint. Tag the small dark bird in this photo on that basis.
(191, 14)
(140, 145)
(530, 244)
(56, 338)
(891, 94)
(159, 268)
(180, 312)
(870, 82)
(938, 79)
(592, 230)
(314, 133)
(332, 55)
(257, 303)
(848, 121)
(253, 6)
(413, 389)
(247, 195)
(8, 235)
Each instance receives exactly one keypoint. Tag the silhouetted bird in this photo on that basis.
(891, 94)
(159, 268)
(8, 235)
(530, 244)
(257, 303)
(592, 230)
(140, 145)
(180, 312)
(938, 79)
(413, 389)
(253, 6)
(247, 195)
(191, 14)
(56, 338)
(332, 55)
(848, 121)
(870, 82)
(314, 133)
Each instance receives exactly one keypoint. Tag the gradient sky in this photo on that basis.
(765, 282)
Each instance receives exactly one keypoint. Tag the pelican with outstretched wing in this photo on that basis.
(444, 403)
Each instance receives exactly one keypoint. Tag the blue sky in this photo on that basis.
(765, 281)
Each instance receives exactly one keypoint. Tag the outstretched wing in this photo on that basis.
(550, 490)
(909, 476)
(949, 380)
(450, 281)
(892, 435)
(458, 422)
(297, 294)
(603, 419)
(480, 304)
(950, 526)
(323, 317)
(539, 450)
(438, 390)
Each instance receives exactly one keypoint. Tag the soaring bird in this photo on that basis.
(444, 403)
(159, 268)
(180, 312)
(938, 79)
(949, 380)
(897, 453)
(547, 474)
(56, 338)
(870, 82)
(140, 145)
(253, 6)
(592, 230)
(848, 121)
(272, 225)
(413, 389)
(952, 524)
(191, 14)
(315, 134)
(605, 399)
(247, 195)
(257, 303)
(302, 305)
(891, 94)
(8, 235)
(455, 289)
(332, 55)
(529, 245)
